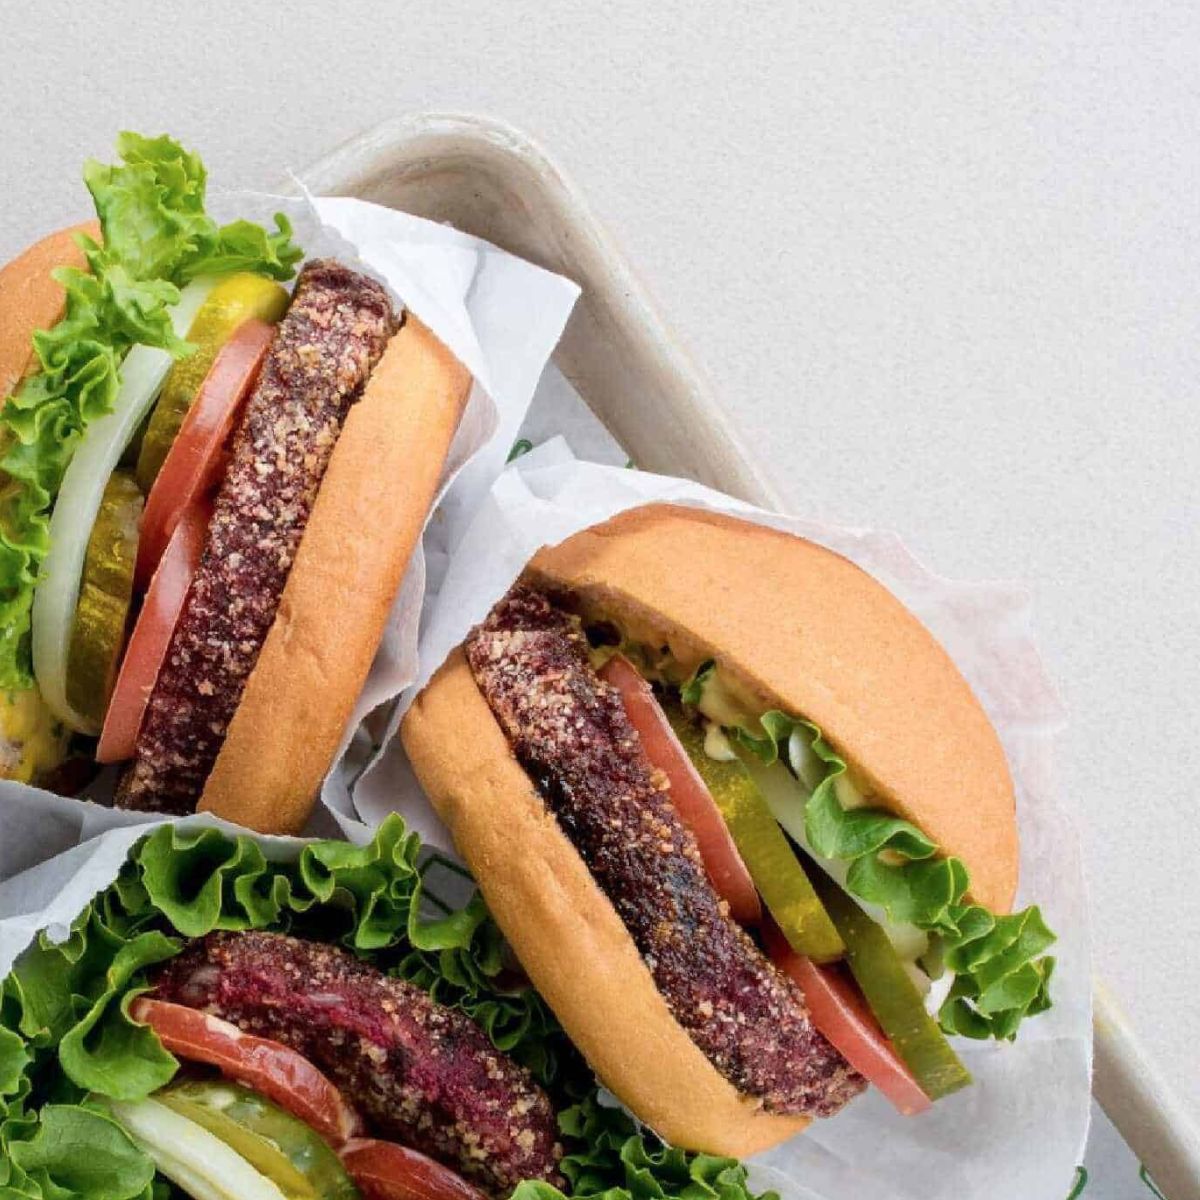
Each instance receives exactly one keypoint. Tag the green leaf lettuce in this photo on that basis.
(609, 1159)
(1001, 972)
(78, 1152)
(66, 1034)
(156, 236)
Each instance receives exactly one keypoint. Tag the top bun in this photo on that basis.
(794, 626)
(30, 299)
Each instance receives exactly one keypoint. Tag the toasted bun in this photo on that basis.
(31, 300)
(569, 938)
(797, 627)
(369, 513)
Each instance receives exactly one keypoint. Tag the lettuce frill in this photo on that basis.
(156, 237)
(66, 1035)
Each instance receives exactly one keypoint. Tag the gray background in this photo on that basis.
(940, 263)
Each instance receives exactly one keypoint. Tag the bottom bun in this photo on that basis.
(368, 515)
(565, 931)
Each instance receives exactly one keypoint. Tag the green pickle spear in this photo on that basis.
(232, 302)
(892, 996)
(105, 592)
(281, 1147)
(771, 861)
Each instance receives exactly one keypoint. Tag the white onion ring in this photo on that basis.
(75, 511)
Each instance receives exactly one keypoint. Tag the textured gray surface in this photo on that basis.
(941, 267)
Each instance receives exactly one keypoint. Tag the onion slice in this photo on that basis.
(188, 1155)
(57, 595)
(787, 799)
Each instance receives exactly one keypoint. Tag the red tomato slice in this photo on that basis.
(271, 1069)
(195, 461)
(151, 635)
(839, 1011)
(695, 806)
(386, 1171)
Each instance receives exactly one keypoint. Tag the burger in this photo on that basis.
(210, 488)
(739, 816)
(332, 1027)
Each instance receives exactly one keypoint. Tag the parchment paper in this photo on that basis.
(499, 315)
(1020, 1131)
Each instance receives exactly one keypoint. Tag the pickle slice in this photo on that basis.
(231, 303)
(892, 996)
(281, 1147)
(772, 863)
(105, 592)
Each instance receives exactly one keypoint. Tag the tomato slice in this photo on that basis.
(151, 636)
(695, 806)
(839, 1011)
(273, 1070)
(386, 1171)
(195, 461)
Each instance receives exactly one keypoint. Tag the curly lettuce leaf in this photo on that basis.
(65, 1029)
(609, 1159)
(156, 236)
(1001, 972)
(14, 1058)
(201, 881)
(66, 1005)
(104, 1051)
(151, 210)
(459, 959)
(75, 1152)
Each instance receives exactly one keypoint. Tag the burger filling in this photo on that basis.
(571, 733)
(318, 364)
(415, 1071)
(159, 467)
(102, 407)
(770, 899)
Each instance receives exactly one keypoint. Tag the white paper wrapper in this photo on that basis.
(1020, 1131)
(51, 894)
(499, 315)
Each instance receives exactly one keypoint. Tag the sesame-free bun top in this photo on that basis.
(794, 626)
(31, 300)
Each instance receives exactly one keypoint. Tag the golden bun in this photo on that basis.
(794, 626)
(790, 625)
(569, 938)
(30, 299)
(368, 516)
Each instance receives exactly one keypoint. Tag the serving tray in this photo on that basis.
(488, 179)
